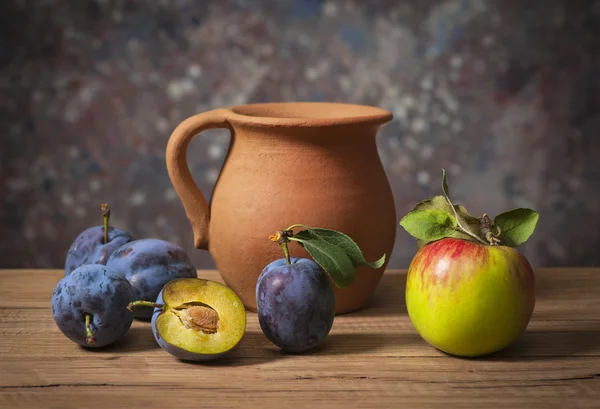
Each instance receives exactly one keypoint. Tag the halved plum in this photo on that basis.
(196, 319)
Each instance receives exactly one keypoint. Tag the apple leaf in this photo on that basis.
(517, 225)
(336, 253)
(437, 218)
(445, 184)
(441, 203)
(465, 222)
(429, 224)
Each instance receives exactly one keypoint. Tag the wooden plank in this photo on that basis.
(404, 395)
(373, 358)
(272, 368)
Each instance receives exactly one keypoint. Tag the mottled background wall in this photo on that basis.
(503, 94)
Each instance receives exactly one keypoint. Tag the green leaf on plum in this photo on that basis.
(429, 224)
(332, 259)
(517, 225)
(341, 240)
(336, 253)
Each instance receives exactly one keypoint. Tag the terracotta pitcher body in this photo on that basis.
(311, 163)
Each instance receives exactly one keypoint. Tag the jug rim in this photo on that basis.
(307, 114)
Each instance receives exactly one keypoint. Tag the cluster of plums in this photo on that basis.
(112, 278)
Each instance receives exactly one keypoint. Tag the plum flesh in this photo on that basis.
(295, 304)
(149, 264)
(197, 320)
(101, 293)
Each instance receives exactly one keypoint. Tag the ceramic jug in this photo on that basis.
(305, 162)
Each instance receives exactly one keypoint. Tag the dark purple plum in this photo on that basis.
(92, 246)
(88, 247)
(295, 304)
(149, 264)
(89, 305)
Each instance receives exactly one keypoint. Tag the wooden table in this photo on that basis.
(373, 358)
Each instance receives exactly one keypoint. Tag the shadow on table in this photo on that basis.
(253, 349)
(138, 338)
(256, 349)
(535, 345)
(361, 343)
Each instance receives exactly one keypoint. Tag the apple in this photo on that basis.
(469, 292)
(469, 299)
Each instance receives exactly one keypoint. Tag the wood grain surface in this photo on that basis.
(372, 359)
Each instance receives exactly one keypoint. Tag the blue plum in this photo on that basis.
(89, 248)
(93, 246)
(149, 264)
(89, 305)
(295, 304)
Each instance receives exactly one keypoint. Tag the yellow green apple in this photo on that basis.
(467, 298)
(469, 292)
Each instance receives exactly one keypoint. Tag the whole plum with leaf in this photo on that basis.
(149, 264)
(89, 305)
(294, 296)
(295, 304)
(196, 319)
(469, 292)
(95, 244)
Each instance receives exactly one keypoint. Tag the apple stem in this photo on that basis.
(89, 337)
(467, 232)
(106, 215)
(132, 305)
(461, 228)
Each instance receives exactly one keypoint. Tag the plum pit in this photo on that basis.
(198, 316)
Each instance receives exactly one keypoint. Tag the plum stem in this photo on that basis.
(283, 237)
(132, 305)
(106, 215)
(89, 337)
(286, 251)
(293, 226)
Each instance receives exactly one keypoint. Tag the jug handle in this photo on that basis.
(194, 202)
